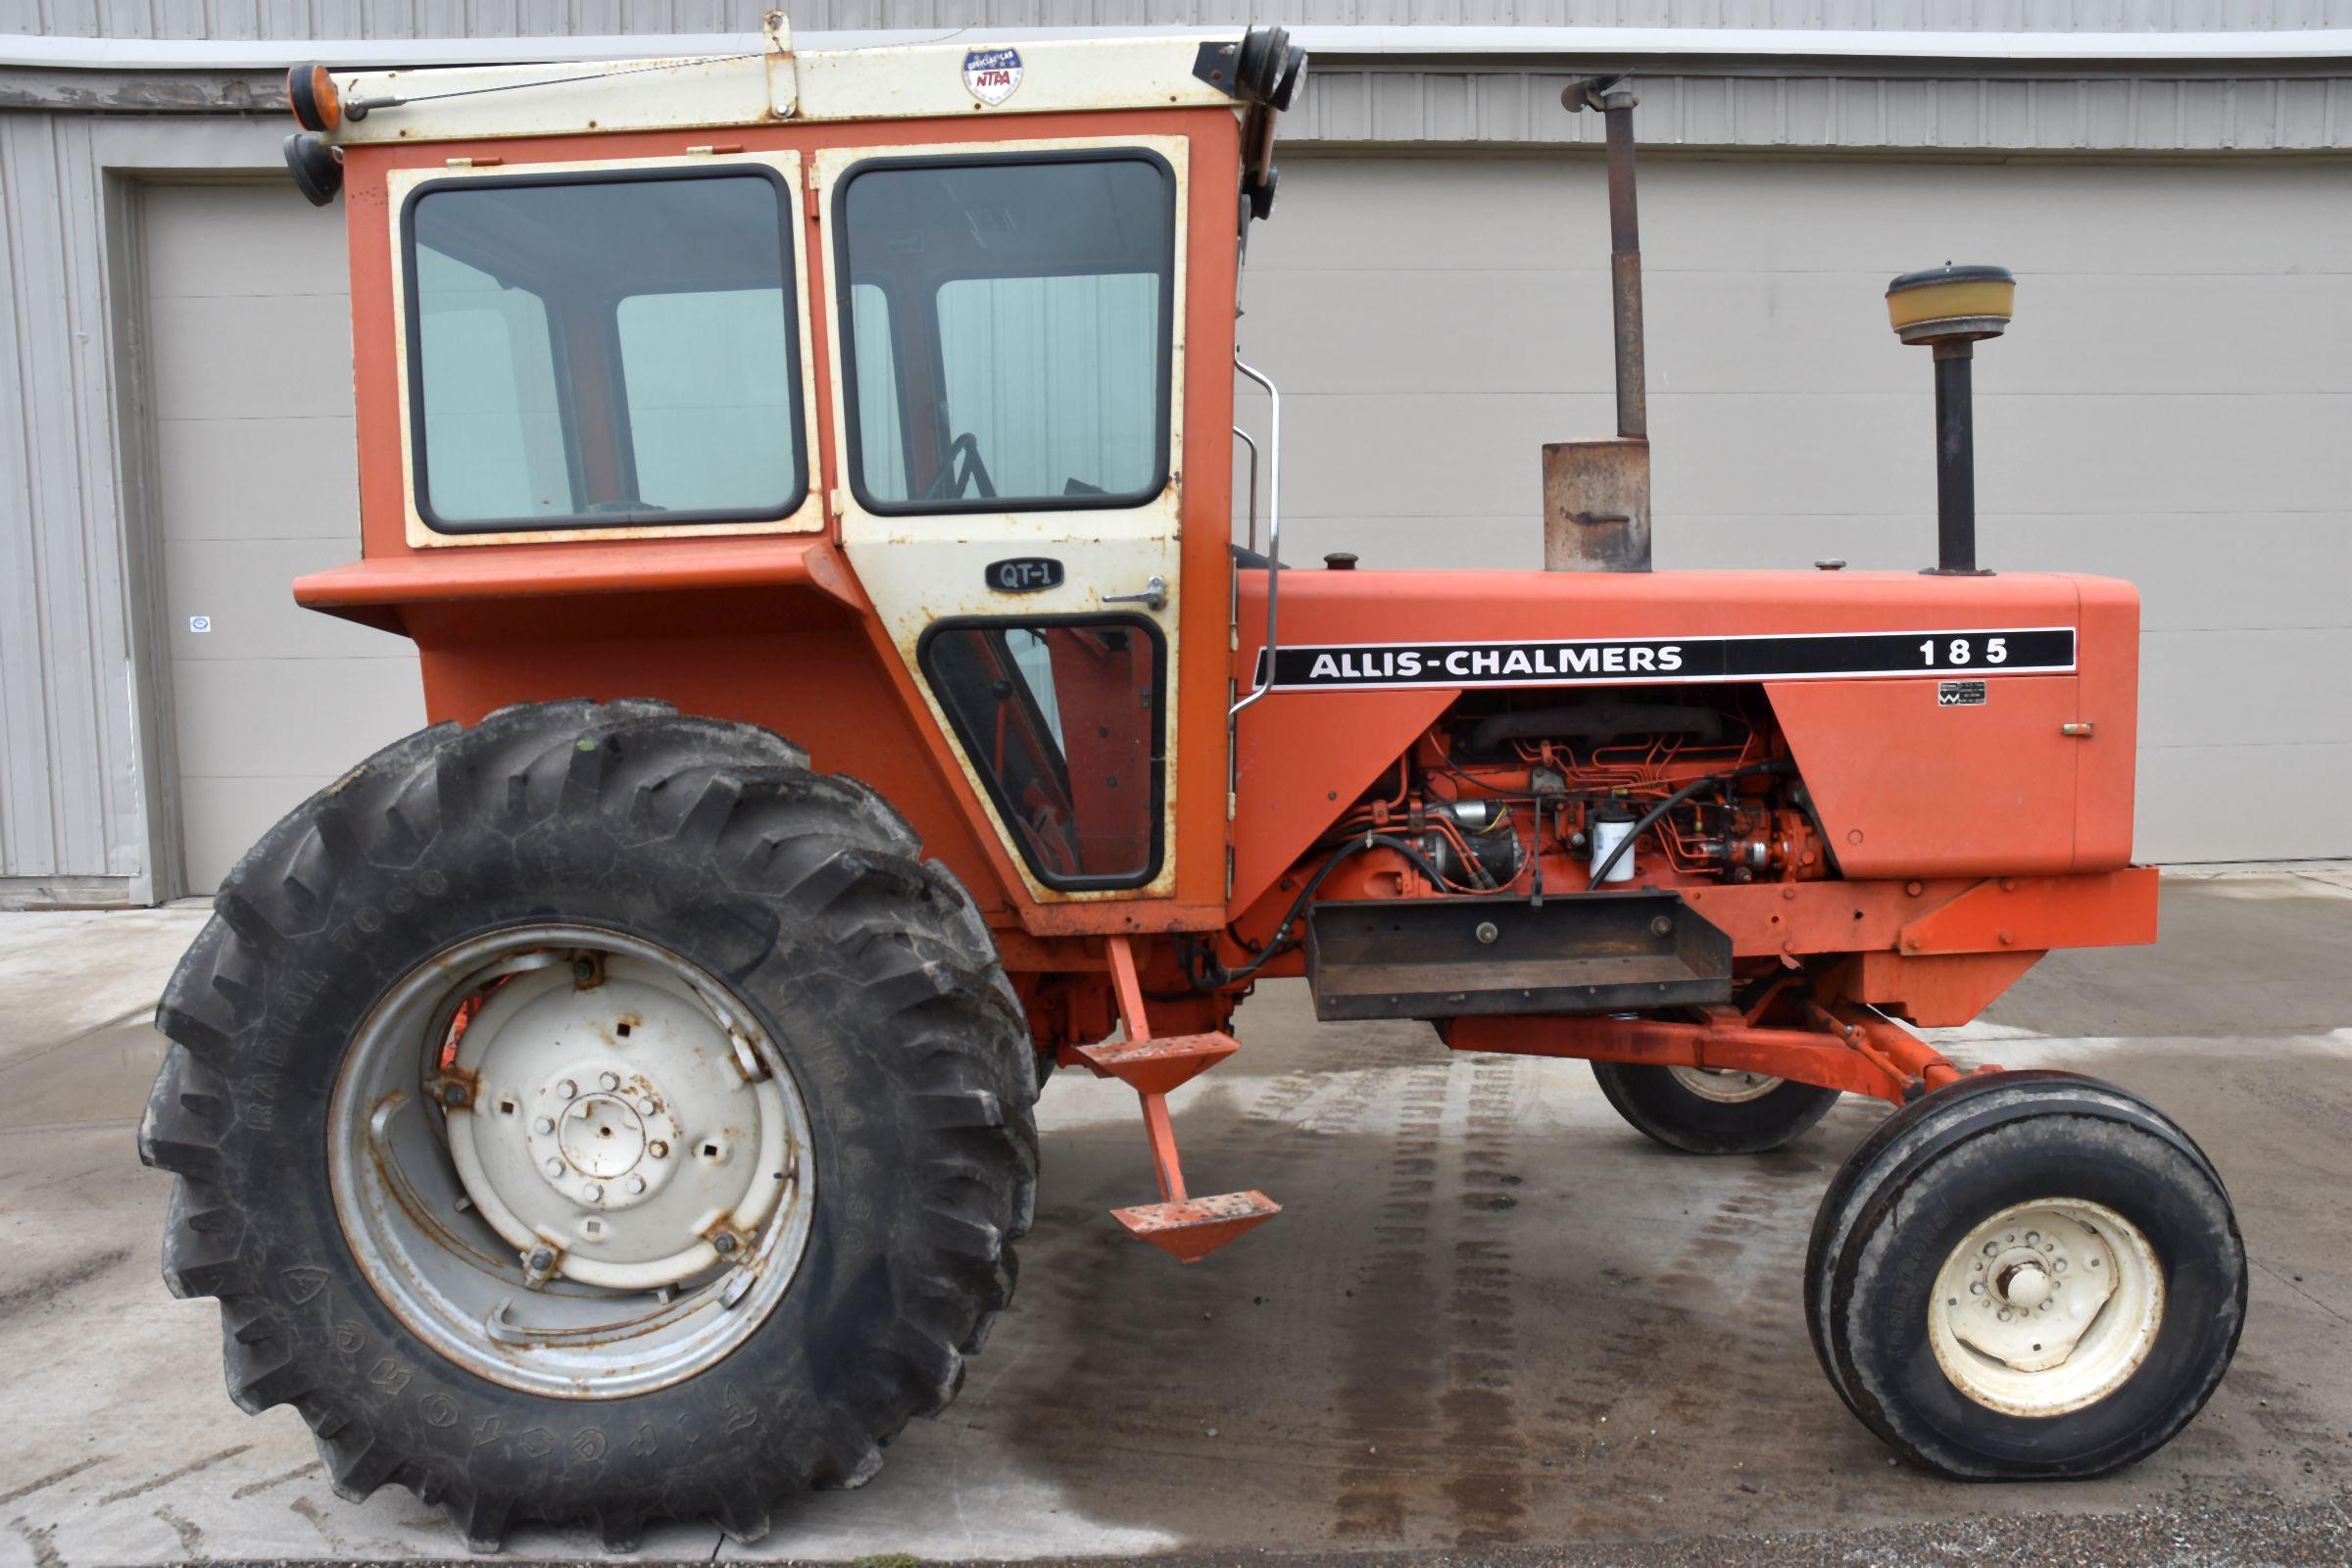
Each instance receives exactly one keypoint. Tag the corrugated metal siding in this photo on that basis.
(69, 761)
(498, 18)
(1397, 105)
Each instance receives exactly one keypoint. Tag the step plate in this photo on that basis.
(1157, 1065)
(1192, 1230)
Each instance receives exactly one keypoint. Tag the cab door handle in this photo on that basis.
(1153, 597)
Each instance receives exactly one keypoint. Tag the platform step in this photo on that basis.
(1192, 1230)
(1156, 1066)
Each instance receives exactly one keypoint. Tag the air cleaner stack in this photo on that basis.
(1948, 308)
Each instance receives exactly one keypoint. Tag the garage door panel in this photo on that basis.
(1465, 216)
(2248, 688)
(1524, 331)
(250, 380)
(214, 240)
(2209, 570)
(1396, 543)
(217, 493)
(1887, 218)
(225, 817)
(2185, 815)
(1437, 456)
(241, 587)
(255, 718)
(251, 357)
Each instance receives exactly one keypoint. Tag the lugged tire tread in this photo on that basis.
(827, 847)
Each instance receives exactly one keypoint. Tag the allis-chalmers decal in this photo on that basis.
(1824, 655)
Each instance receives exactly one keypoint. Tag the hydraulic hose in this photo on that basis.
(1281, 936)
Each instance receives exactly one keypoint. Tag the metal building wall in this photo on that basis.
(84, 808)
(72, 811)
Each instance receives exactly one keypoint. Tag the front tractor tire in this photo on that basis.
(594, 1116)
(1703, 1110)
(2025, 1276)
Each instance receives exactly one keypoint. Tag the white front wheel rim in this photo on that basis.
(1725, 1085)
(2047, 1306)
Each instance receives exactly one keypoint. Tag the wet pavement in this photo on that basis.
(1492, 1326)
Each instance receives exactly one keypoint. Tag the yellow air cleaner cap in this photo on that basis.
(1951, 302)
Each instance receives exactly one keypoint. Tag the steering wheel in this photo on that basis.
(951, 483)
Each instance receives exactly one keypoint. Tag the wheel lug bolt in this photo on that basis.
(1990, 1247)
(636, 1183)
(593, 1193)
(658, 1149)
(2004, 1314)
(646, 1105)
(609, 1080)
(554, 1168)
(1975, 1287)
(545, 1124)
(568, 1089)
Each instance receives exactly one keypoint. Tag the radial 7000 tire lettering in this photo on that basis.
(803, 990)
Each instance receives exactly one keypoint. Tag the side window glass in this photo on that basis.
(1063, 722)
(1009, 323)
(1055, 379)
(708, 379)
(589, 349)
(877, 375)
(497, 431)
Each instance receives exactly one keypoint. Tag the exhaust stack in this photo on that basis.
(1950, 308)
(1596, 492)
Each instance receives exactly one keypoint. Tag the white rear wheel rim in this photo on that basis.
(598, 1184)
(2045, 1307)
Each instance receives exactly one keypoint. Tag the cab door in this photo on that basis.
(1007, 381)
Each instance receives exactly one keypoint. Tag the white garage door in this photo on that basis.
(250, 359)
(2174, 406)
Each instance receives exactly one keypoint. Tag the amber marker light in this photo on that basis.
(311, 95)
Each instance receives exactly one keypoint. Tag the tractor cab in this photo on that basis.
(929, 349)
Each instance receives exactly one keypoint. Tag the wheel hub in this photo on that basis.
(603, 1149)
(2047, 1306)
(605, 1125)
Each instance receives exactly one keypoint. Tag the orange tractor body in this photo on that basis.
(808, 480)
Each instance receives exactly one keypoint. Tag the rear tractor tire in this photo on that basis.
(1702, 1111)
(594, 1116)
(2025, 1276)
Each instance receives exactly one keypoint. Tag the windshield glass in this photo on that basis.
(586, 352)
(1008, 323)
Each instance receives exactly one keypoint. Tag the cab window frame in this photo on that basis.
(845, 278)
(795, 427)
(970, 745)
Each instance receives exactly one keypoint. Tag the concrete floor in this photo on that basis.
(1493, 1320)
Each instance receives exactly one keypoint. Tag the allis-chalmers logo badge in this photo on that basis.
(991, 75)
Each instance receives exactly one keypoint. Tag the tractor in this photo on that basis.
(809, 479)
